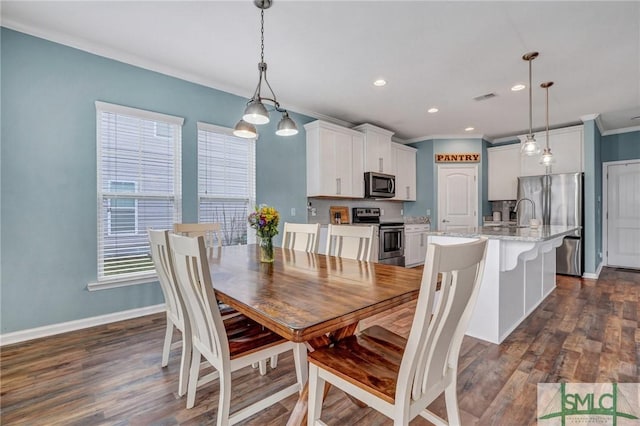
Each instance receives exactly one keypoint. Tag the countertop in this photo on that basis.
(510, 233)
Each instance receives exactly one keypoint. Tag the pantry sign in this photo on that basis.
(465, 157)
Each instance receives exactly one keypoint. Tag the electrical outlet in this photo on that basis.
(401, 212)
(428, 212)
(293, 211)
(313, 211)
(381, 212)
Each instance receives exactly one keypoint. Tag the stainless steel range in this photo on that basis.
(390, 235)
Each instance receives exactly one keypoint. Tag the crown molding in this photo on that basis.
(460, 136)
(154, 66)
(619, 131)
(594, 117)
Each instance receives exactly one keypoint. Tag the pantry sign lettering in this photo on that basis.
(465, 157)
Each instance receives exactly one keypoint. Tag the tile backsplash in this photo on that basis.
(393, 210)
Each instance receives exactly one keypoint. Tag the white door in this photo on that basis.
(457, 196)
(622, 216)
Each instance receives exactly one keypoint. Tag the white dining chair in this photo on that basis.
(212, 232)
(350, 241)
(227, 345)
(400, 377)
(174, 308)
(301, 236)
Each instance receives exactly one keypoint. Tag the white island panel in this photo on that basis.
(519, 274)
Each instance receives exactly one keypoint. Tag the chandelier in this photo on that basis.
(547, 157)
(530, 146)
(256, 112)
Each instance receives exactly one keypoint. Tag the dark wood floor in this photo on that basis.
(585, 331)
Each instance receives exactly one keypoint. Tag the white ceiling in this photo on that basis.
(323, 56)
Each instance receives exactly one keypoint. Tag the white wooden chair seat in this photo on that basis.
(398, 377)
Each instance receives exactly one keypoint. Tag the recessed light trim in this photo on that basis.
(468, 129)
(432, 110)
(380, 82)
(518, 87)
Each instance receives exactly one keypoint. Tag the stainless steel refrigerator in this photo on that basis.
(558, 200)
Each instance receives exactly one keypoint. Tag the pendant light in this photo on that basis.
(547, 157)
(256, 112)
(530, 146)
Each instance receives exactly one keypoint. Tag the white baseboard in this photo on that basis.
(50, 330)
(594, 276)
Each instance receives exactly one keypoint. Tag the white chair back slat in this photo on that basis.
(301, 236)
(163, 262)
(350, 241)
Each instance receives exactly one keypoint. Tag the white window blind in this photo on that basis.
(139, 187)
(226, 181)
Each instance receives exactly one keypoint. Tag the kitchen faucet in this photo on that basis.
(533, 207)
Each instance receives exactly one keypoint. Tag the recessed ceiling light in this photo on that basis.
(379, 82)
(468, 129)
(518, 87)
(432, 110)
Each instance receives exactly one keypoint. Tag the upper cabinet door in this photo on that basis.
(335, 161)
(377, 149)
(567, 147)
(503, 170)
(404, 158)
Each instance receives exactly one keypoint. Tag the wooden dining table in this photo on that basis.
(306, 297)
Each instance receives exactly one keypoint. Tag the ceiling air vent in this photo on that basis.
(485, 97)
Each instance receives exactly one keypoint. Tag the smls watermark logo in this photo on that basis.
(616, 404)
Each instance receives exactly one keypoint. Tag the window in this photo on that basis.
(226, 181)
(139, 187)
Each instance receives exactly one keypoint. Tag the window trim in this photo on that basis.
(144, 277)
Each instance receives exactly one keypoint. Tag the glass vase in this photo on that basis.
(266, 249)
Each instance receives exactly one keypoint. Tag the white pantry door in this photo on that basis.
(457, 196)
(623, 214)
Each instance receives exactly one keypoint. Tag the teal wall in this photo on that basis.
(623, 146)
(48, 173)
(592, 197)
(426, 190)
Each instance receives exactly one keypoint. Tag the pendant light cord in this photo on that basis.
(547, 88)
(530, 101)
(262, 35)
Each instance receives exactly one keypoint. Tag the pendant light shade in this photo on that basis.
(245, 130)
(286, 126)
(256, 112)
(530, 146)
(547, 158)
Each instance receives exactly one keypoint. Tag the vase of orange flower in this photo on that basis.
(265, 221)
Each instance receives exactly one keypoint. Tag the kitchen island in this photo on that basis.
(520, 272)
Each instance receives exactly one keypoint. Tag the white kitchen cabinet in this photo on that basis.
(405, 166)
(567, 147)
(503, 165)
(377, 149)
(335, 161)
(415, 250)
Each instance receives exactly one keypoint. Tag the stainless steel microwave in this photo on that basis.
(379, 185)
